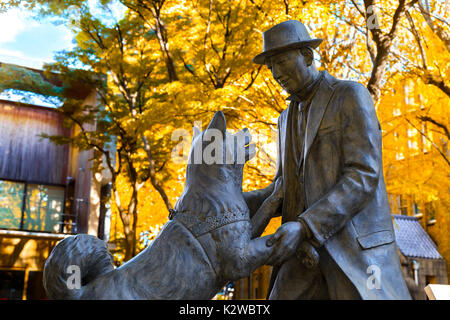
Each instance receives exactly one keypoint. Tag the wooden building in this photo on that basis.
(47, 192)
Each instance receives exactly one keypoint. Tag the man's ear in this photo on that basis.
(308, 55)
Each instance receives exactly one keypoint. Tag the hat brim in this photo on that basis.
(261, 58)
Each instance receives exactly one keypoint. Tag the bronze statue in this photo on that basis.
(207, 243)
(336, 239)
(334, 194)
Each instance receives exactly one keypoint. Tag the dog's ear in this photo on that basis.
(196, 131)
(218, 122)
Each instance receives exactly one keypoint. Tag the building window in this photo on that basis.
(430, 212)
(417, 211)
(394, 203)
(11, 204)
(31, 207)
(404, 205)
(43, 208)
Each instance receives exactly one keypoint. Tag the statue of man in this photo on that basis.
(334, 194)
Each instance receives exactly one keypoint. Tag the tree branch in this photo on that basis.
(436, 123)
(437, 30)
(431, 141)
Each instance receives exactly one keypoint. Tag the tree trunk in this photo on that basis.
(127, 230)
(153, 179)
(161, 33)
(378, 71)
(383, 43)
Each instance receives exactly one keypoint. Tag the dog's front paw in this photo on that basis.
(277, 194)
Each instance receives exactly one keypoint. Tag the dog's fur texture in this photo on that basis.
(207, 244)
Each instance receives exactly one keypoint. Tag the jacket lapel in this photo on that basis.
(316, 111)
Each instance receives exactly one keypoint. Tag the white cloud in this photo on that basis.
(12, 22)
(32, 52)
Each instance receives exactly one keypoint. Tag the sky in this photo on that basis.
(28, 42)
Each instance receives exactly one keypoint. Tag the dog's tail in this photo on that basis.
(73, 263)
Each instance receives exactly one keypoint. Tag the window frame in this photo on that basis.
(22, 209)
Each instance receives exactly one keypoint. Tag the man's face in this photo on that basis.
(289, 69)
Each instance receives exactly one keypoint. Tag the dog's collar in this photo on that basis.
(200, 227)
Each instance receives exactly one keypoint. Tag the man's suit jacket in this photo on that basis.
(347, 210)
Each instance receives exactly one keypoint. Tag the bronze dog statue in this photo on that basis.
(207, 243)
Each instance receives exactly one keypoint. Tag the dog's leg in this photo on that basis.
(258, 253)
(255, 198)
(251, 257)
(262, 217)
(267, 210)
(238, 256)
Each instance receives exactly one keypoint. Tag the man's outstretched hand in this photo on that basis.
(285, 241)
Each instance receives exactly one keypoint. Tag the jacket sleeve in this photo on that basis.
(255, 198)
(361, 150)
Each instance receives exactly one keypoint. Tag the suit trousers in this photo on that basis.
(326, 281)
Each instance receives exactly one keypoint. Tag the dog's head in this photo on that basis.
(218, 155)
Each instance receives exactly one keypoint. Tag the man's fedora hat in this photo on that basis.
(287, 35)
